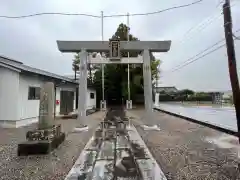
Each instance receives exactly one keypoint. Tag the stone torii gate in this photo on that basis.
(115, 47)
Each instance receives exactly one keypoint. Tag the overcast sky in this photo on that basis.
(33, 40)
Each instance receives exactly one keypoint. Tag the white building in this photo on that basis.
(227, 94)
(20, 88)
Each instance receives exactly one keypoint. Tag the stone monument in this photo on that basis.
(47, 136)
(46, 106)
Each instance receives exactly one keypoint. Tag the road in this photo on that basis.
(222, 117)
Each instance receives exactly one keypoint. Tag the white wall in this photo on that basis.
(15, 107)
(9, 88)
(58, 95)
(91, 103)
(57, 109)
(28, 109)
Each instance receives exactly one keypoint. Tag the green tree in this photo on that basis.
(188, 92)
(116, 74)
(75, 64)
(154, 69)
(75, 67)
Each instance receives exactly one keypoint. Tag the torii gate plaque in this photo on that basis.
(103, 46)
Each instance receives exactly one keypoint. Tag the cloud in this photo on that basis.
(33, 40)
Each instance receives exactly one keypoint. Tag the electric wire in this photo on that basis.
(96, 16)
(155, 12)
(200, 57)
(202, 25)
(195, 57)
(199, 28)
(49, 13)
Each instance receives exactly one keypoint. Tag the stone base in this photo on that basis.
(128, 104)
(18, 123)
(103, 105)
(40, 147)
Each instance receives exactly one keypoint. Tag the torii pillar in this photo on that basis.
(146, 47)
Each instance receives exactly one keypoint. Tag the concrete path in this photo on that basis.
(116, 152)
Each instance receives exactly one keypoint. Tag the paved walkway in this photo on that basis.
(185, 150)
(222, 117)
(116, 152)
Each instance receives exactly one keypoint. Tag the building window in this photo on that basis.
(91, 95)
(33, 93)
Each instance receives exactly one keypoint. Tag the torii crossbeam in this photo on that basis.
(124, 46)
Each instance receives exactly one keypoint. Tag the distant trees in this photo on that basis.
(116, 76)
(186, 95)
(201, 96)
(75, 68)
(187, 92)
(75, 64)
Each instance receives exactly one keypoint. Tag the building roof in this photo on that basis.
(20, 67)
(166, 87)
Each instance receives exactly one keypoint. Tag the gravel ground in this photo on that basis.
(180, 148)
(182, 151)
(54, 166)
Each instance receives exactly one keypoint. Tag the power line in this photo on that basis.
(206, 20)
(156, 12)
(237, 38)
(218, 42)
(189, 62)
(96, 16)
(198, 28)
(50, 13)
(208, 48)
(202, 25)
(195, 57)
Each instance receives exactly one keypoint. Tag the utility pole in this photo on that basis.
(103, 102)
(75, 78)
(129, 93)
(232, 61)
(129, 101)
(103, 98)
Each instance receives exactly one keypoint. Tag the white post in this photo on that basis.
(156, 99)
(103, 102)
(147, 82)
(129, 102)
(156, 92)
(82, 88)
